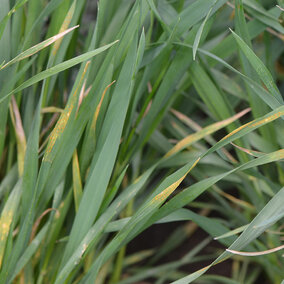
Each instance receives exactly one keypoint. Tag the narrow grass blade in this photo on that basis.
(199, 33)
(77, 183)
(7, 216)
(248, 151)
(48, 9)
(58, 68)
(232, 233)
(113, 191)
(248, 127)
(54, 234)
(267, 97)
(260, 68)
(258, 108)
(20, 135)
(89, 144)
(269, 19)
(5, 19)
(30, 251)
(187, 141)
(9, 181)
(255, 253)
(195, 12)
(66, 116)
(37, 48)
(64, 26)
(156, 12)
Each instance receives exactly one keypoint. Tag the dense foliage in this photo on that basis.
(119, 115)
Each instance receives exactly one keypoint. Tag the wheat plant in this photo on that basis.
(118, 115)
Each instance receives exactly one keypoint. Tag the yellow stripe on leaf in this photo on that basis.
(190, 139)
(161, 197)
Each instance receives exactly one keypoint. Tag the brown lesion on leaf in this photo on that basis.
(63, 120)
